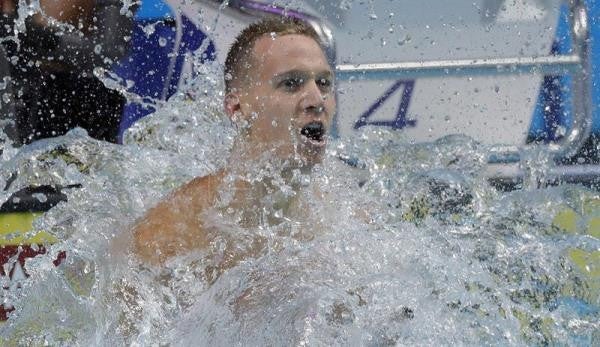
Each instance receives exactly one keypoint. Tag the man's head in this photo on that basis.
(278, 79)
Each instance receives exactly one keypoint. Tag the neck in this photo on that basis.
(263, 190)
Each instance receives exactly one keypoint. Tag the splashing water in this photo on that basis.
(412, 247)
(420, 250)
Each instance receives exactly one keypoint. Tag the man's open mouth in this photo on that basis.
(314, 131)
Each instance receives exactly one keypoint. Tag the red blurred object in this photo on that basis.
(23, 252)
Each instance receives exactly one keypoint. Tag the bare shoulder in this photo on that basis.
(174, 225)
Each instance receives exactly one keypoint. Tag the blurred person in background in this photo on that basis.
(51, 63)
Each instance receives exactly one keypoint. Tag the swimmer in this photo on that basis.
(279, 94)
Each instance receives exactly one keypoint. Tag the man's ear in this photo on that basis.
(232, 106)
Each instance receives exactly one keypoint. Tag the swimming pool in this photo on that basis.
(441, 256)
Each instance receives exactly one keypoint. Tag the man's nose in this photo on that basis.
(313, 99)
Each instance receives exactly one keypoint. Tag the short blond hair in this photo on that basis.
(240, 53)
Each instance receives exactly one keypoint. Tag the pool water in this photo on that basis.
(412, 247)
(409, 245)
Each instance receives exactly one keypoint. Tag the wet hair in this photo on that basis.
(240, 54)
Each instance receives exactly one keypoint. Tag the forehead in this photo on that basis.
(274, 55)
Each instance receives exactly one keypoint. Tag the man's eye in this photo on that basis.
(293, 83)
(324, 83)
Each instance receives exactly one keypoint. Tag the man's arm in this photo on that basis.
(69, 11)
(174, 226)
(101, 21)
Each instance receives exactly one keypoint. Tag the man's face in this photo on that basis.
(288, 98)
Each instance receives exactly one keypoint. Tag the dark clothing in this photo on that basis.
(53, 84)
(55, 103)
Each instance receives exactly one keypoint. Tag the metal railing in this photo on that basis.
(261, 9)
(577, 63)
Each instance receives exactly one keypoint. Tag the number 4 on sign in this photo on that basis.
(400, 121)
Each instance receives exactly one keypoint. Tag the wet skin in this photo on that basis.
(66, 11)
(287, 100)
(289, 86)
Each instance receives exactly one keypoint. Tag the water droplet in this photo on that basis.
(149, 29)
(40, 197)
(404, 40)
(162, 41)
